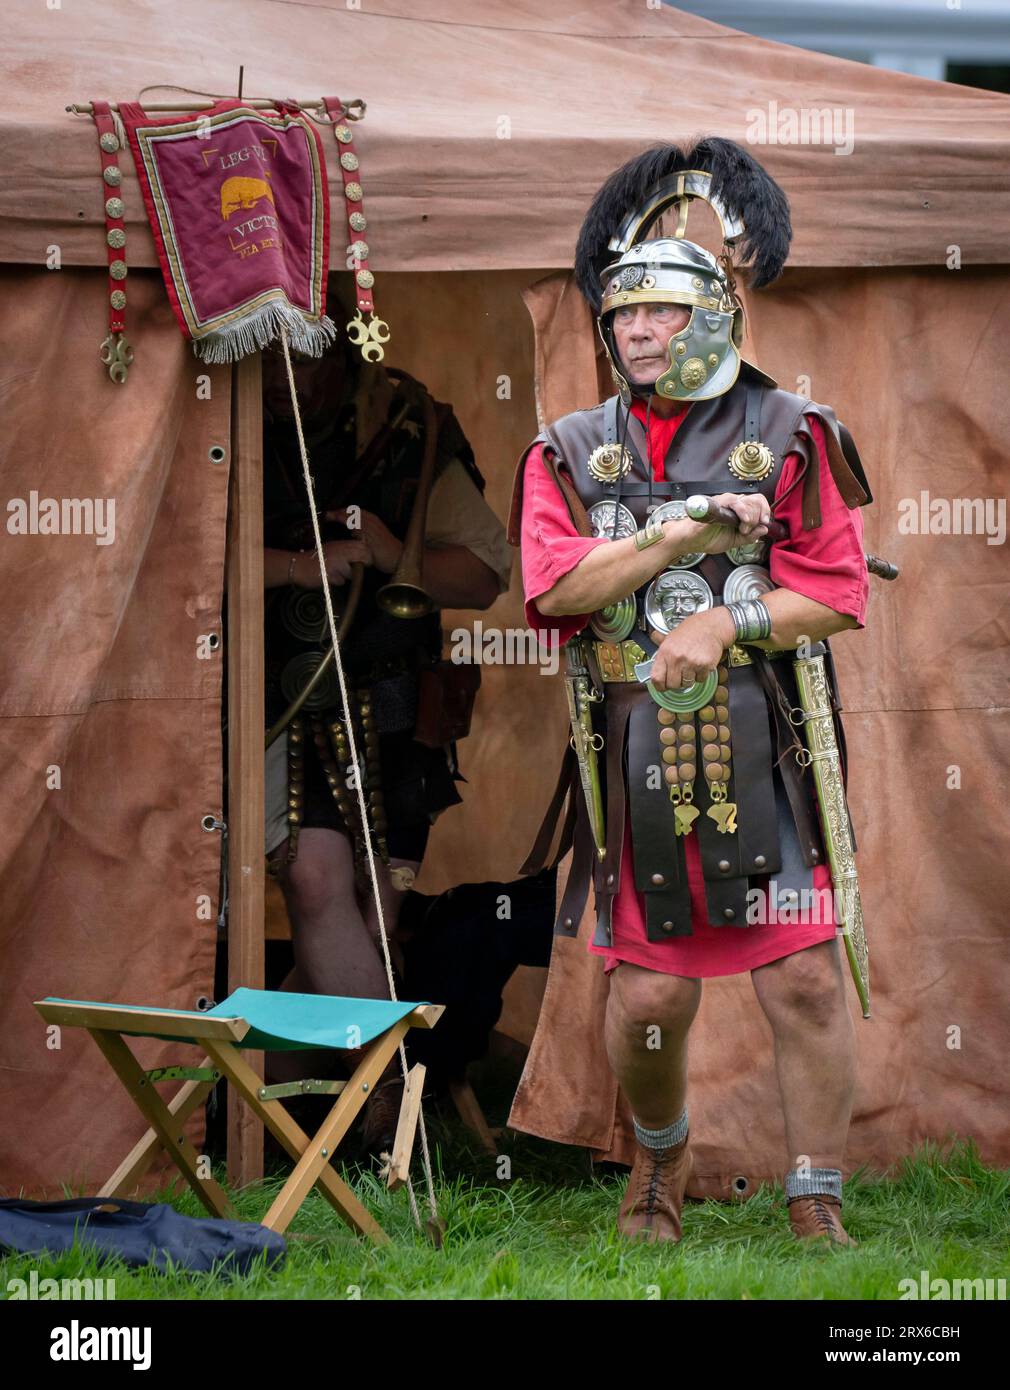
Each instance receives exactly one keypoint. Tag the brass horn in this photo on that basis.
(405, 595)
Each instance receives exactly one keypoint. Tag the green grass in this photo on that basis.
(548, 1233)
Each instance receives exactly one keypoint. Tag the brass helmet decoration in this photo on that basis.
(616, 265)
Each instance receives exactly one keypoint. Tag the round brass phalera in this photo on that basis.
(117, 299)
(113, 207)
(608, 462)
(359, 250)
(751, 461)
(693, 373)
(365, 279)
(349, 161)
(116, 238)
(112, 176)
(352, 191)
(616, 621)
(109, 142)
(118, 270)
(358, 221)
(343, 134)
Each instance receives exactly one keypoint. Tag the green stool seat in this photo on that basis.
(280, 1022)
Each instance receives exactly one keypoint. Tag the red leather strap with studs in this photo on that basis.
(357, 249)
(115, 227)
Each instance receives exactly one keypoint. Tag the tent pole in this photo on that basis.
(246, 865)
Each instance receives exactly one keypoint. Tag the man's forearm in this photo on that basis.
(796, 617)
(276, 567)
(611, 572)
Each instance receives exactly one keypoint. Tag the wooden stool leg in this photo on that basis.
(136, 1163)
(317, 1153)
(295, 1141)
(167, 1126)
(129, 1172)
(406, 1128)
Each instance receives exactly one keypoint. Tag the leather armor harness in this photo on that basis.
(777, 841)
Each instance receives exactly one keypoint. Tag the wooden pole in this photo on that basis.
(355, 109)
(246, 721)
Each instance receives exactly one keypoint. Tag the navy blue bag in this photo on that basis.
(141, 1233)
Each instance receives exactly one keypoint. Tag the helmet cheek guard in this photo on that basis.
(704, 358)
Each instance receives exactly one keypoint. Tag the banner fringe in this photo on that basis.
(256, 330)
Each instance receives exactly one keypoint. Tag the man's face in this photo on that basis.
(641, 335)
(319, 382)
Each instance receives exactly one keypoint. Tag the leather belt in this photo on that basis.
(738, 655)
(617, 660)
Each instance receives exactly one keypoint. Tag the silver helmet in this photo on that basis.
(616, 265)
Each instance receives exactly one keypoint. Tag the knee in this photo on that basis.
(648, 999)
(311, 887)
(806, 993)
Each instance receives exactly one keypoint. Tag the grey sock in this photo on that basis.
(819, 1181)
(662, 1138)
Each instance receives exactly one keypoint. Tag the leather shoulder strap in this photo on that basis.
(554, 463)
(553, 440)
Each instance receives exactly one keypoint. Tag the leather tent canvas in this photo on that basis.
(484, 141)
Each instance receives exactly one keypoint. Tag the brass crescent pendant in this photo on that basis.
(608, 462)
(751, 461)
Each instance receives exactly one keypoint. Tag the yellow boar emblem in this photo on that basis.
(243, 193)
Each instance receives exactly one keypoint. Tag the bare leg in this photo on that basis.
(335, 952)
(803, 998)
(649, 1015)
(391, 899)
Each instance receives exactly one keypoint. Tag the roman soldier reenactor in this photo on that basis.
(699, 681)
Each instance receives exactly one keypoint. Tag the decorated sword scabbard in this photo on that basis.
(584, 740)
(824, 759)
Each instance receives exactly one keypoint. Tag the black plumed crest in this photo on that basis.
(746, 190)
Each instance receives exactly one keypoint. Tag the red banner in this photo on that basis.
(238, 204)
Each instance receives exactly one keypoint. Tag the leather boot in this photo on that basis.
(819, 1218)
(381, 1114)
(652, 1204)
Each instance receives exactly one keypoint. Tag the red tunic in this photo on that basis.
(825, 564)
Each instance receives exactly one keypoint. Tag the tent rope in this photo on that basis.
(358, 781)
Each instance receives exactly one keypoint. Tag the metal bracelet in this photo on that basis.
(751, 619)
(648, 534)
